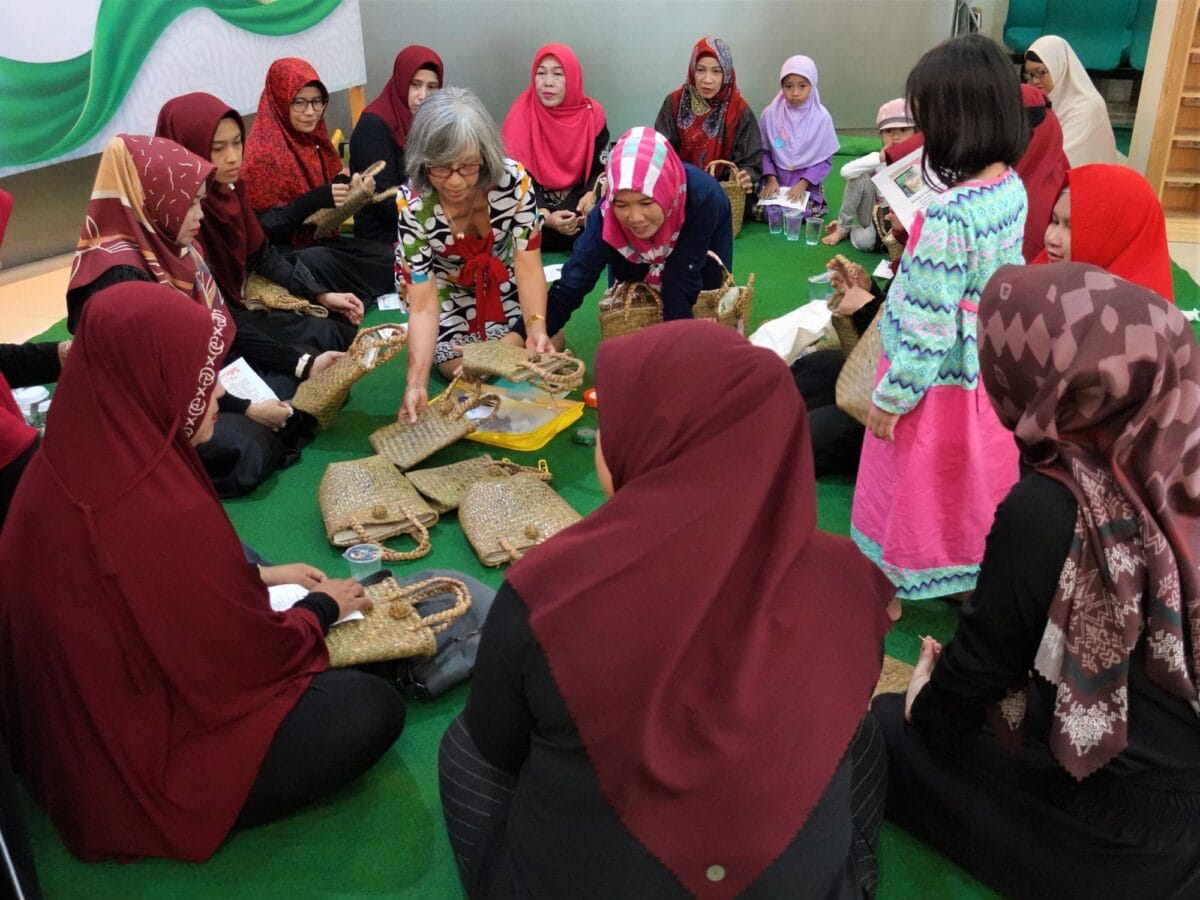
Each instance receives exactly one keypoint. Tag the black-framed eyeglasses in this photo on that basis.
(1035, 75)
(466, 170)
(317, 105)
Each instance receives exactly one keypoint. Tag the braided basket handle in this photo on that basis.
(373, 338)
(423, 591)
(734, 171)
(421, 536)
(456, 409)
(567, 376)
(628, 289)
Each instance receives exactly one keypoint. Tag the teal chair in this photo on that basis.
(1139, 41)
(1023, 25)
(1098, 30)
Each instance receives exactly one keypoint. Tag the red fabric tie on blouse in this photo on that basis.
(481, 266)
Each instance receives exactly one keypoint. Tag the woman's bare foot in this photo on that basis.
(835, 235)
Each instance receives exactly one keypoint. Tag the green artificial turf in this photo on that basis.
(383, 836)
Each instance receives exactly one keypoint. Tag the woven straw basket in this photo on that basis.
(445, 486)
(627, 308)
(856, 382)
(554, 371)
(504, 517)
(368, 501)
(393, 629)
(727, 304)
(439, 425)
(329, 220)
(325, 394)
(733, 190)
(260, 293)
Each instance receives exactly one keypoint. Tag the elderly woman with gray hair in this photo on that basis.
(469, 251)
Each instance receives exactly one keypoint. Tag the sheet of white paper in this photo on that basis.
(242, 381)
(781, 199)
(553, 272)
(390, 301)
(902, 185)
(792, 332)
(285, 596)
(883, 270)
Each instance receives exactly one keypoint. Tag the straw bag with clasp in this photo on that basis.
(259, 294)
(504, 517)
(324, 394)
(627, 308)
(438, 425)
(445, 486)
(728, 304)
(733, 190)
(393, 629)
(552, 371)
(368, 501)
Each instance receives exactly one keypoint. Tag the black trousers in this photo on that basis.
(1019, 823)
(476, 797)
(837, 437)
(18, 874)
(338, 729)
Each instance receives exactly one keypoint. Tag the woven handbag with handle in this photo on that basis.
(368, 501)
(445, 486)
(504, 517)
(325, 393)
(627, 308)
(260, 293)
(733, 190)
(393, 628)
(439, 425)
(553, 371)
(330, 219)
(856, 381)
(727, 304)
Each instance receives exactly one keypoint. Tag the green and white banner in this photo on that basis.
(75, 72)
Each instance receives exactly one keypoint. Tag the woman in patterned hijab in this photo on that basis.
(1081, 644)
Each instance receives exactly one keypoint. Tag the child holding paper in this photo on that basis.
(798, 139)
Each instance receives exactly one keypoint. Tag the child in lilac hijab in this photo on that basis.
(798, 138)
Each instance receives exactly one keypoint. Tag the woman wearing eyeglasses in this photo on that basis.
(469, 254)
(1052, 66)
(291, 169)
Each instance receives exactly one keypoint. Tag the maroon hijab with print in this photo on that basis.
(230, 233)
(392, 103)
(1099, 380)
(749, 641)
(171, 673)
(143, 190)
(281, 162)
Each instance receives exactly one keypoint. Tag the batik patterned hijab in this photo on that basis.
(707, 128)
(143, 190)
(283, 163)
(1099, 380)
(643, 161)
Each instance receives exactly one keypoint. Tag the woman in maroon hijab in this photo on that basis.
(667, 693)
(381, 134)
(148, 692)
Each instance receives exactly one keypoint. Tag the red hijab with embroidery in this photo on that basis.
(1042, 167)
(1117, 223)
(15, 435)
(1099, 380)
(555, 143)
(283, 163)
(143, 190)
(171, 673)
(392, 103)
(728, 606)
(708, 128)
(230, 233)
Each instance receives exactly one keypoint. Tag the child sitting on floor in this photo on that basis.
(895, 124)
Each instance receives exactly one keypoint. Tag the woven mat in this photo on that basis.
(894, 677)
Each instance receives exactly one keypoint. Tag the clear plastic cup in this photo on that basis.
(793, 223)
(364, 559)
(775, 218)
(819, 287)
(812, 230)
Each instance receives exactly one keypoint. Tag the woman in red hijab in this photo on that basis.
(667, 696)
(292, 170)
(177, 704)
(1110, 216)
(1042, 167)
(381, 134)
(560, 135)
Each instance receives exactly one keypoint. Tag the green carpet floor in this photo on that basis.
(383, 836)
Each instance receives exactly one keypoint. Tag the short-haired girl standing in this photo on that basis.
(936, 461)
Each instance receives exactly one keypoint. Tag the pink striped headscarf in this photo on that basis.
(643, 161)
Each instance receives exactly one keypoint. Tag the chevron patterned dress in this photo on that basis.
(924, 502)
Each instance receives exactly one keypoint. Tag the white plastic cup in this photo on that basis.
(364, 560)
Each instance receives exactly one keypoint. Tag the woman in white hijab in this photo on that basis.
(1051, 64)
